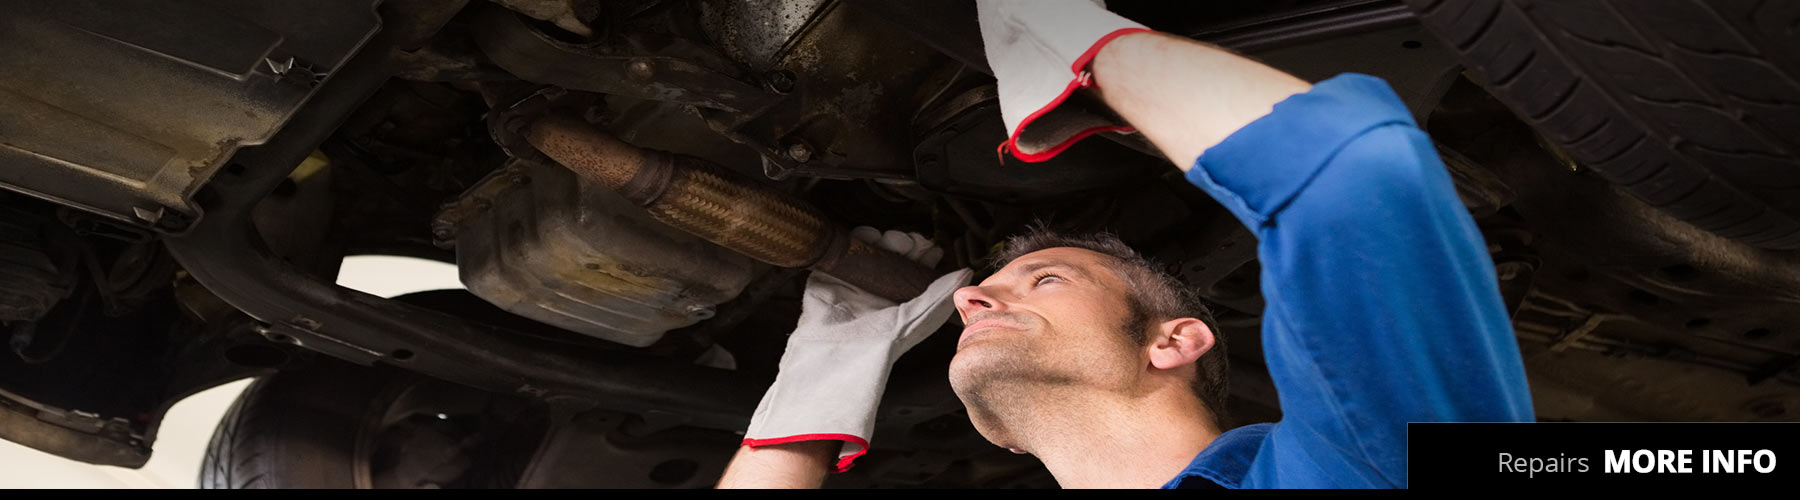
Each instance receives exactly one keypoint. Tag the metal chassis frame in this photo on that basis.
(224, 253)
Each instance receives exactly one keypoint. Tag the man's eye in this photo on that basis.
(1041, 279)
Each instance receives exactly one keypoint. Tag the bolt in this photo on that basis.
(639, 69)
(779, 81)
(305, 323)
(699, 311)
(799, 152)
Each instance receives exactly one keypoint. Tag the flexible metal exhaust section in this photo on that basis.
(710, 202)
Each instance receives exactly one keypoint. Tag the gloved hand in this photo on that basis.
(838, 358)
(1039, 50)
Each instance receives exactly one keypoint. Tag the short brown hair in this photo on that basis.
(1154, 296)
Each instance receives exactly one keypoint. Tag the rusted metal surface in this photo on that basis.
(756, 221)
(684, 192)
(540, 242)
(642, 65)
(570, 15)
(595, 155)
(857, 83)
(880, 272)
(757, 32)
(762, 223)
(74, 435)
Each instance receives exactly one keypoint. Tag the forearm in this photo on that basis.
(802, 464)
(1183, 95)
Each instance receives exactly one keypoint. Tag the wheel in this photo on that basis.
(1689, 105)
(337, 425)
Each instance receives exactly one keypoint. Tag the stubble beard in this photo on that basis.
(1004, 382)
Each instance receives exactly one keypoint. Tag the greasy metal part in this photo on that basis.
(852, 82)
(74, 435)
(759, 222)
(417, 21)
(642, 65)
(757, 32)
(418, 55)
(564, 14)
(224, 253)
(764, 224)
(125, 108)
(541, 242)
(950, 26)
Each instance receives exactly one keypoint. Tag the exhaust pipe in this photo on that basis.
(715, 204)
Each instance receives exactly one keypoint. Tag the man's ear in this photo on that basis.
(1179, 342)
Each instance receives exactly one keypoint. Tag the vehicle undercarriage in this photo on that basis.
(183, 181)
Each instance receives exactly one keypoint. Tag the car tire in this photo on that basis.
(287, 431)
(332, 425)
(1691, 106)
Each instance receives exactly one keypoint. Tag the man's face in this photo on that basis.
(1050, 318)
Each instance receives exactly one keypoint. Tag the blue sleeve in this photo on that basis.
(1382, 305)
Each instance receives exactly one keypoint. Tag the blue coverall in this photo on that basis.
(1382, 307)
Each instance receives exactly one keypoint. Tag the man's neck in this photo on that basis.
(1105, 440)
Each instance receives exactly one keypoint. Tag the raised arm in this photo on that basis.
(1185, 96)
(1382, 307)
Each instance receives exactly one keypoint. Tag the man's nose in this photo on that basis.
(973, 299)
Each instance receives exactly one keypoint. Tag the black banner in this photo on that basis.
(1554, 455)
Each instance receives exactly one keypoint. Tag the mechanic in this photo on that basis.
(1382, 304)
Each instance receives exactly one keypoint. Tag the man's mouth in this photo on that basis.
(985, 324)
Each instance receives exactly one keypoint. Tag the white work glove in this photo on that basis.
(1039, 50)
(838, 358)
